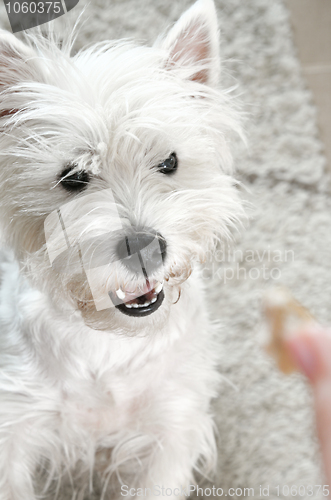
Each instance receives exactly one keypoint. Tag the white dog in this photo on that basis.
(115, 182)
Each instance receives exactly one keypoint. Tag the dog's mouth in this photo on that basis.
(140, 302)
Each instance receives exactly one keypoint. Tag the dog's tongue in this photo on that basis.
(145, 289)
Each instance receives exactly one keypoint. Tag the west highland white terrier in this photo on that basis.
(115, 183)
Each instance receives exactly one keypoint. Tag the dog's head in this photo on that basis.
(115, 174)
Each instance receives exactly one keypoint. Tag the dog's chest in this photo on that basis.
(101, 415)
(95, 418)
(100, 409)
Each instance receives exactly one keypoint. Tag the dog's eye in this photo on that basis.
(77, 181)
(169, 166)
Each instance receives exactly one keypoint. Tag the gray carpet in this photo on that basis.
(265, 420)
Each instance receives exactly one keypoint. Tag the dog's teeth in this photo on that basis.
(139, 306)
(158, 288)
(120, 294)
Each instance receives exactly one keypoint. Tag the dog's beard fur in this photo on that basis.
(117, 111)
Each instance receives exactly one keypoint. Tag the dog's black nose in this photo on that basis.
(142, 251)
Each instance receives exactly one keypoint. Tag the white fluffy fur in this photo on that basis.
(83, 391)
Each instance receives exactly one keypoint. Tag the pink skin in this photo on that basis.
(310, 349)
(131, 295)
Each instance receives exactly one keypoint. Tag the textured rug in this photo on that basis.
(265, 421)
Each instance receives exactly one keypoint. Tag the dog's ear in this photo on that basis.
(18, 63)
(193, 44)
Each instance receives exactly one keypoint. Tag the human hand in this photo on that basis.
(310, 349)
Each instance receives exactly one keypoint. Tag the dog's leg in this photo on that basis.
(180, 440)
(170, 464)
(179, 454)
